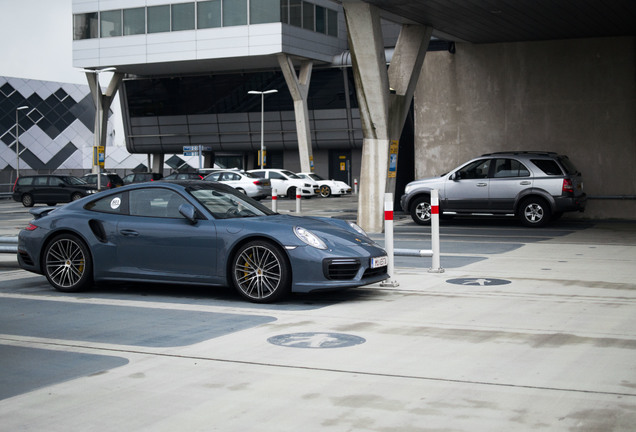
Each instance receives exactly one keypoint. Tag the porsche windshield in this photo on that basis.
(227, 203)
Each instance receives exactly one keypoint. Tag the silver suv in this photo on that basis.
(534, 186)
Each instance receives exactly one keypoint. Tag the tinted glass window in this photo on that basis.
(110, 22)
(548, 166)
(117, 204)
(85, 26)
(183, 16)
(43, 181)
(209, 14)
(332, 22)
(155, 202)
(158, 19)
(295, 13)
(26, 181)
(321, 19)
(134, 21)
(234, 12)
(308, 16)
(475, 170)
(568, 165)
(264, 11)
(510, 168)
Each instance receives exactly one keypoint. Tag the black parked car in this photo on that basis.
(108, 180)
(141, 177)
(50, 189)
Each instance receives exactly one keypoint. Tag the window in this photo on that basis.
(234, 12)
(548, 166)
(510, 168)
(85, 26)
(209, 14)
(295, 13)
(284, 11)
(321, 19)
(475, 170)
(183, 16)
(158, 19)
(134, 21)
(110, 23)
(117, 204)
(155, 202)
(264, 11)
(332, 23)
(308, 16)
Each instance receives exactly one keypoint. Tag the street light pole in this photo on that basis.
(98, 120)
(262, 93)
(17, 140)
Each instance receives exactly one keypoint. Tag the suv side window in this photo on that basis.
(475, 170)
(548, 166)
(26, 181)
(510, 168)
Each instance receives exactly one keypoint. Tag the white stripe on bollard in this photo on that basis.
(388, 240)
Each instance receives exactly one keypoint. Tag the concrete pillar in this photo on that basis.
(384, 98)
(299, 89)
(103, 101)
(157, 163)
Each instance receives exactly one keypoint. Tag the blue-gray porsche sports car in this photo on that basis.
(195, 232)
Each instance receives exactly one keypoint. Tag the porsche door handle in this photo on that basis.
(129, 233)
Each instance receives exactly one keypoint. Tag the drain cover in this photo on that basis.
(478, 281)
(316, 340)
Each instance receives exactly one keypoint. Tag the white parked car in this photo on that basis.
(251, 185)
(328, 187)
(285, 182)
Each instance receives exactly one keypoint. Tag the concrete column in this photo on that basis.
(157, 163)
(299, 89)
(384, 98)
(103, 101)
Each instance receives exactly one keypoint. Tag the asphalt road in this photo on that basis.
(525, 330)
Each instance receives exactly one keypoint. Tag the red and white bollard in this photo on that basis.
(436, 267)
(388, 241)
(298, 200)
(355, 186)
(274, 201)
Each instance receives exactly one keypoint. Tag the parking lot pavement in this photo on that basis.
(527, 329)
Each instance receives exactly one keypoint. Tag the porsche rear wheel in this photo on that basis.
(67, 263)
(260, 272)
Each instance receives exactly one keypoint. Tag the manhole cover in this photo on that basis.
(478, 281)
(316, 340)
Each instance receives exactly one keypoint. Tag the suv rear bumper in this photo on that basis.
(567, 204)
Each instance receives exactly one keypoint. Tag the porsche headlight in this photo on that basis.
(309, 238)
(356, 227)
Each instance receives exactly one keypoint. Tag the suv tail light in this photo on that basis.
(109, 184)
(568, 187)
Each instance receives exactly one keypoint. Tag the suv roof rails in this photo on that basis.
(538, 153)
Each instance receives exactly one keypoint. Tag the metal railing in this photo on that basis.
(9, 244)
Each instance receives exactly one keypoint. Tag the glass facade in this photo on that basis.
(202, 15)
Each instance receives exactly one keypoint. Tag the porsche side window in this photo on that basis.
(115, 203)
(155, 202)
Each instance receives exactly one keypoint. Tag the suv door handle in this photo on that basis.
(482, 184)
(525, 183)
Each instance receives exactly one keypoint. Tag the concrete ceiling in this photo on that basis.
(491, 21)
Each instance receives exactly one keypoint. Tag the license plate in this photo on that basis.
(379, 262)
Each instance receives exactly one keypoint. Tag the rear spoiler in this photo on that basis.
(41, 211)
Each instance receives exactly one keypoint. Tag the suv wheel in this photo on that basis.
(534, 212)
(421, 210)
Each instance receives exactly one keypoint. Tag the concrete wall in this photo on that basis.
(576, 97)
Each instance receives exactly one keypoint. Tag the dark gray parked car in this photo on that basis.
(50, 189)
(536, 187)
